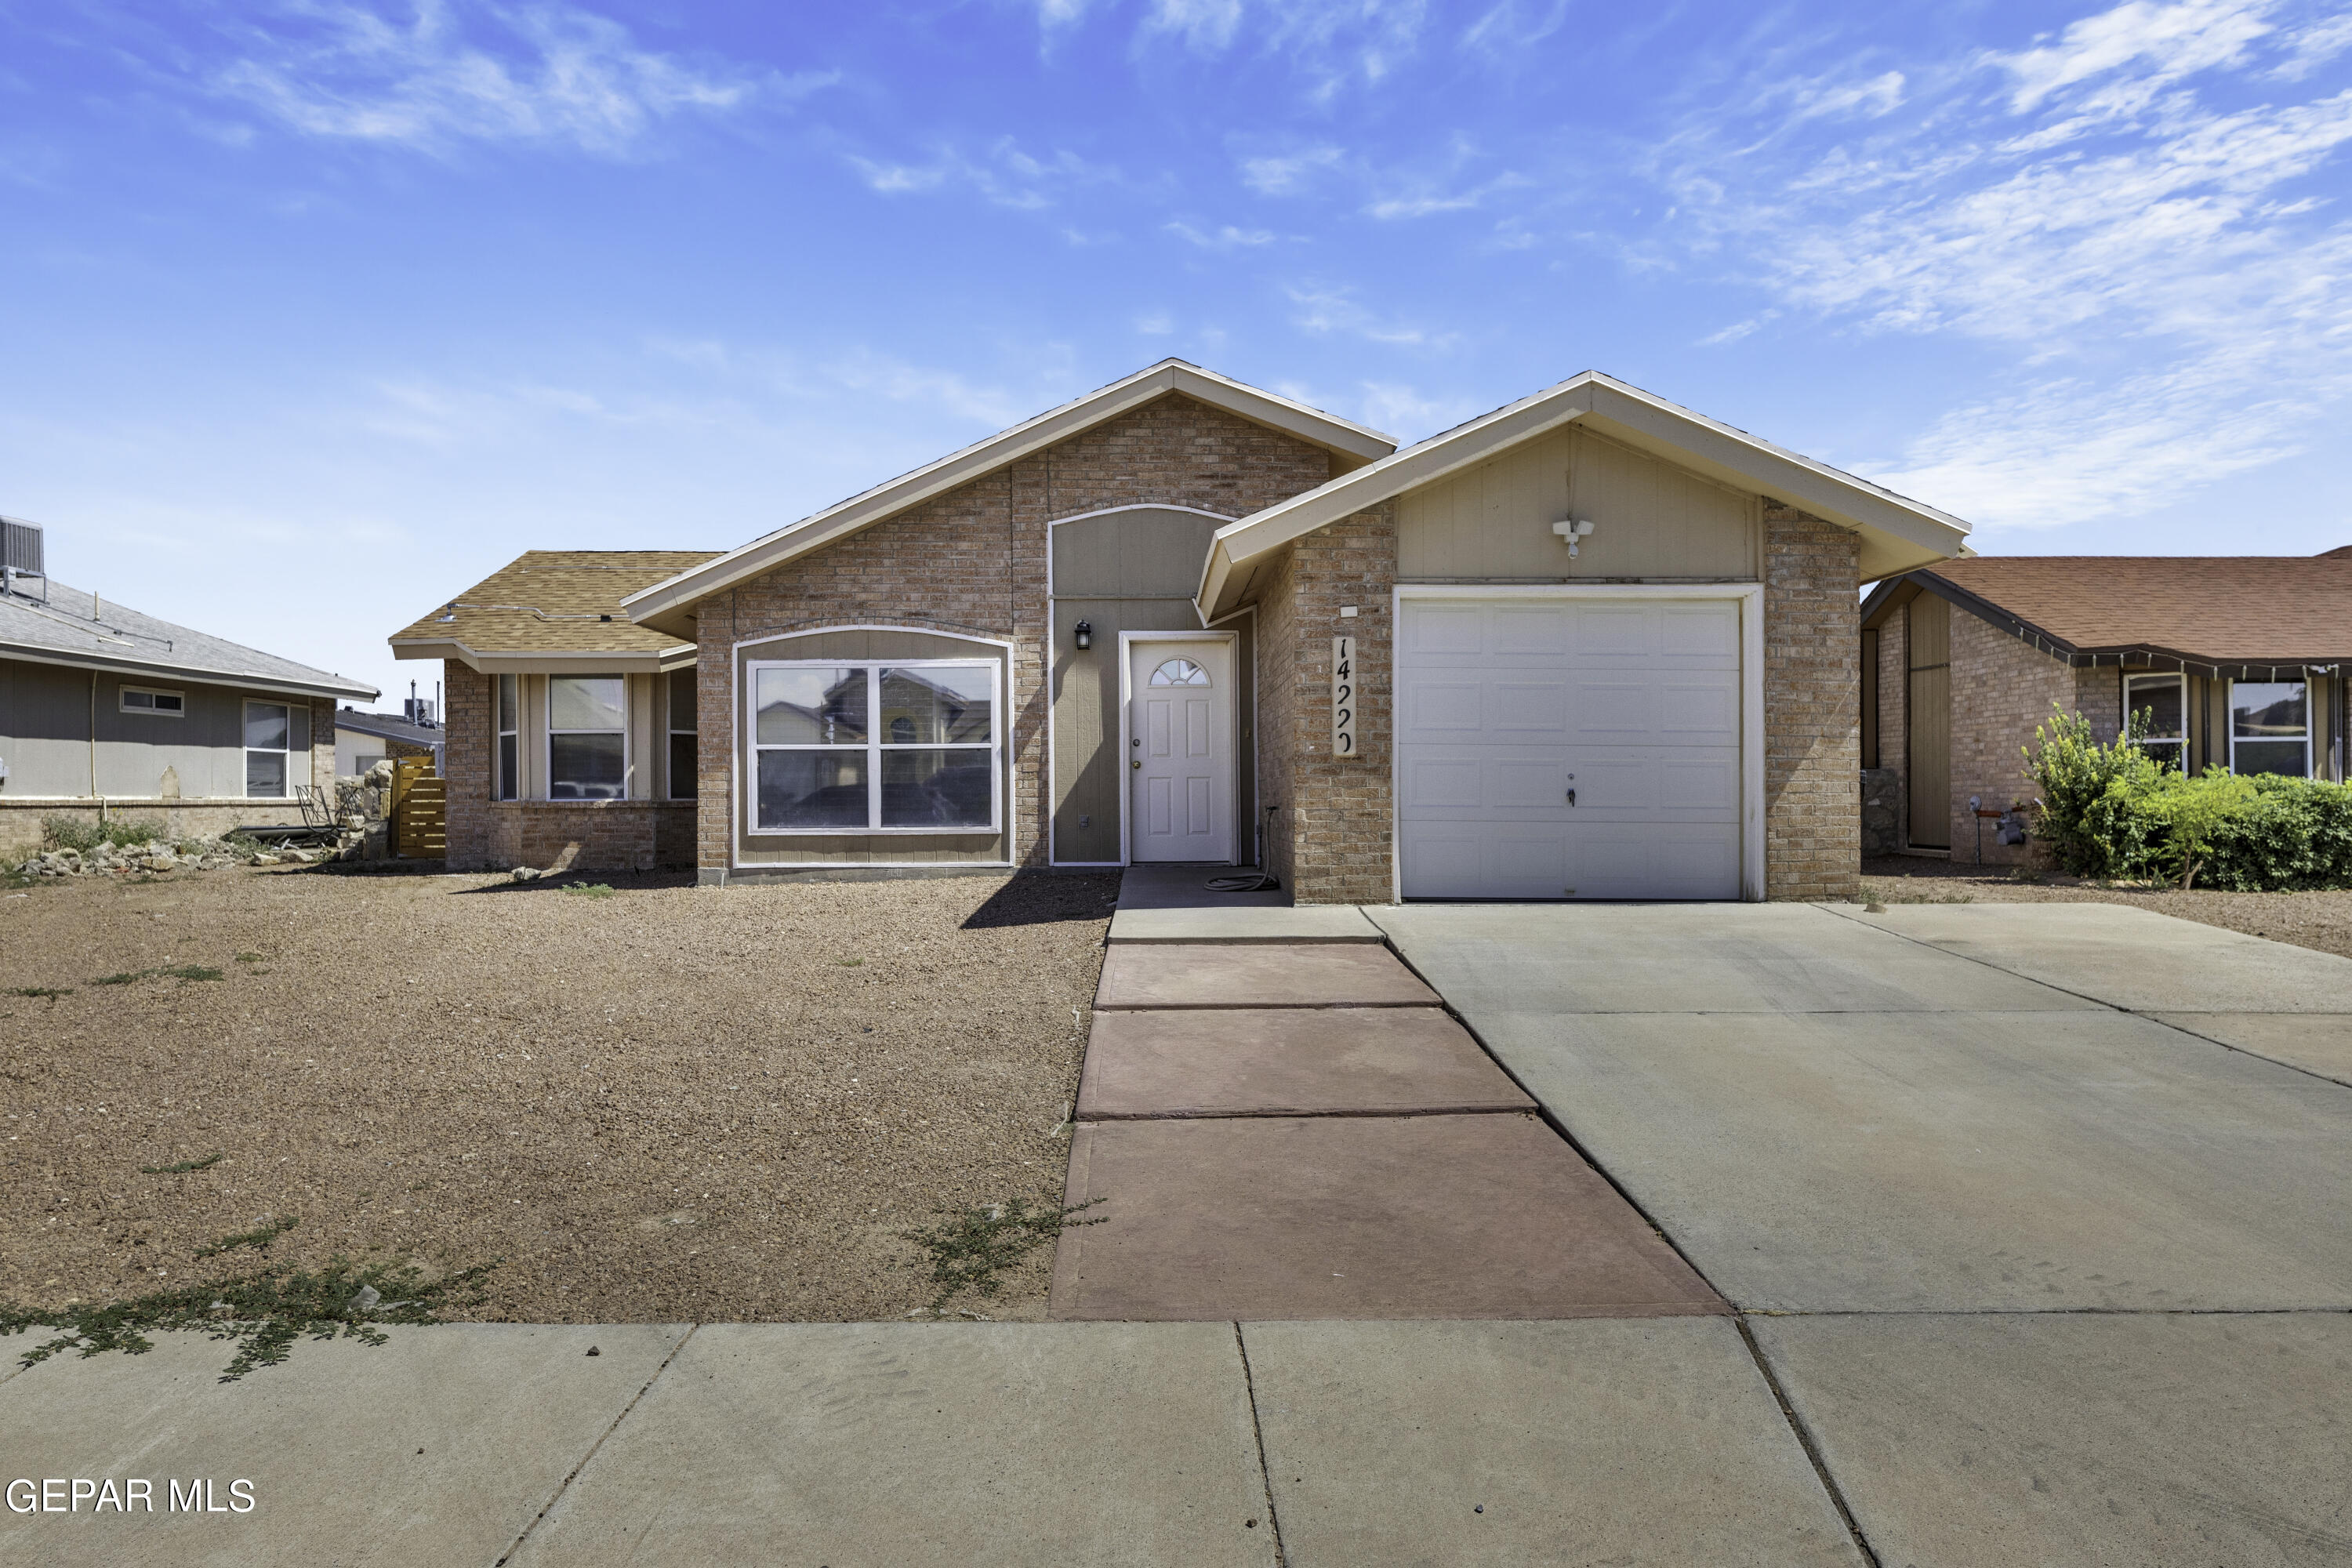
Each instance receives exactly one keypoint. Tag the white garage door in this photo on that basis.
(1583, 748)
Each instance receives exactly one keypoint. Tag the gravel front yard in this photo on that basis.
(2321, 921)
(658, 1104)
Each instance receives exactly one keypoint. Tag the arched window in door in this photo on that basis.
(1180, 672)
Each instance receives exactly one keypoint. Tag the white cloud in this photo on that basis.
(1001, 175)
(888, 377)
(1405, 414)
(1287, 173)
(443, 75)
(1155, 324)
(2174, 302)
(1426, 201)
(1325, 309)
(1332, 43)
(1225, 238)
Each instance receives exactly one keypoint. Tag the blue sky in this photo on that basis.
(312, 314)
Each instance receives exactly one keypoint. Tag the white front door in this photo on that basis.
(1572, 748)
(1180, 749)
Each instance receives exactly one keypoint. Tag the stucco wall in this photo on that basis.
(1813, 727)
(974, 561)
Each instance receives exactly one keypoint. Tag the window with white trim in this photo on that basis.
(587, 737)
(845, 746)
(2270, 727)
(684, 766)
(2159, 702)
(510, 736)
(268, 728)
(149, 700)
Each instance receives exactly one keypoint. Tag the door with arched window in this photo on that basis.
(1180, 749)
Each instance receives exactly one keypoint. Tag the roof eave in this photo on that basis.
(546, 661)
(1347, 441)
(242, 680)
(1897, 534)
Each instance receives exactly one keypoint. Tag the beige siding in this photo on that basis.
(1134, 570)
(1929, 709)
(1652, 519)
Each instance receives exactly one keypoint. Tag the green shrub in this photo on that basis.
(2112, 810)
(72, 833)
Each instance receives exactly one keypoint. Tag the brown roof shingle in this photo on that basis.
(2212, 609)
(557, 601)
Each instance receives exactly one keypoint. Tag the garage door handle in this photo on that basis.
(1571, 797)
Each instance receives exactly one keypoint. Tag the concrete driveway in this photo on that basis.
(2041, 1215)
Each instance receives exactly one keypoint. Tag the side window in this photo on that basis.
(685, 766)
(2156, 703)
(268, 728)
(2270, 727)
(510, 743)
(587, 737)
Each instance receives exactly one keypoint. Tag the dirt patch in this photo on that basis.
(670, 1104)
(2320, 921)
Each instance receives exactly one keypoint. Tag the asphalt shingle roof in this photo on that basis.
(557, 601)
(2222, 609)
(74, 624)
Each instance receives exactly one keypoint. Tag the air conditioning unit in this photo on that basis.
(20, 555)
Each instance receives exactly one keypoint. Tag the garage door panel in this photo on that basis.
(1699, 708)
(1523, 709)
(1448, 782)
(1453, 708)
(1506, 707)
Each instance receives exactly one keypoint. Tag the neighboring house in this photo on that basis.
(569, 734)
(1114, 634)
(2238, 661)
(104, 709)
(363, 740)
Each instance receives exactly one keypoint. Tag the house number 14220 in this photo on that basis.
(1343, 697)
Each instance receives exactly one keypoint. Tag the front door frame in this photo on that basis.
(1127, 729)
(1750, 596)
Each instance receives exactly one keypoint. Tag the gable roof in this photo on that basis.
(2224, 616)
(554, 610)
(1897, 532)
(389, 727)
(74, 627)
(670, 603)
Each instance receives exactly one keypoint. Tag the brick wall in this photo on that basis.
(1813, 720)
(1330, 841)
(974, 561)
(2001, 690)
(466, 717)
(589, 835)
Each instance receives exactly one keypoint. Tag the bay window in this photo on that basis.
(841, 746)
(2158, 701)
(587, 737)
(510, 736)
(683, 766)
(268, 727)
(2270, 727)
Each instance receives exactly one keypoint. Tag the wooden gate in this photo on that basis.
(420, 810)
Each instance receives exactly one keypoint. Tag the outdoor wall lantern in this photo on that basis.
(1083, 634)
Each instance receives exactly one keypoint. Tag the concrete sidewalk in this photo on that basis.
(936, 1446)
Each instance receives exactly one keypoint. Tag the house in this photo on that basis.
(2237, 661)
(1590, 645)
(104, 709)
(569, 734)
(363, 740)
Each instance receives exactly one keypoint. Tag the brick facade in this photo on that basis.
(1813, 717)
(468, 730)
(1331, 835)
(974, 561)
(2001, 689)
(1895, 711)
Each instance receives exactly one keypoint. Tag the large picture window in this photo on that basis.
(843, 747)
(2270, 727)
(510, 736)
(587, 737)
(2157, 701)
(267, 726)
